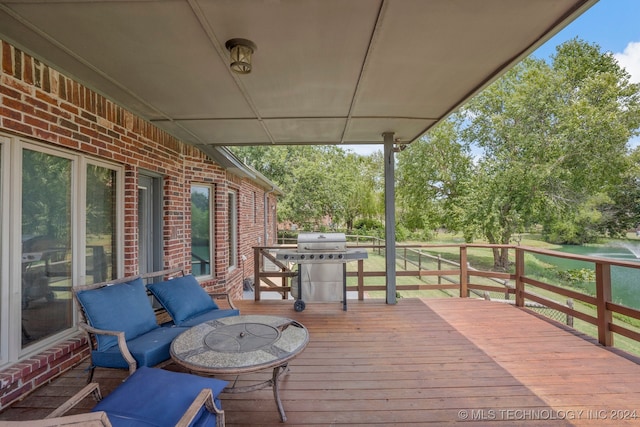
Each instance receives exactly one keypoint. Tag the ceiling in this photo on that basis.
(325, 71)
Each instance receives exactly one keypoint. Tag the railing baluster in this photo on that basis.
(361, 280)
(464, 274)
(257, 268)
(603, 295)
(519, 275)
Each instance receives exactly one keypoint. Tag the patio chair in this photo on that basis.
(125, 330)
(149, 397)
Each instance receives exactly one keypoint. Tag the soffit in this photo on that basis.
(325, 71)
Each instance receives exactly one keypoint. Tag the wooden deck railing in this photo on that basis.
(271, 275)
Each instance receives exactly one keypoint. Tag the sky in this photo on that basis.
(614, 25)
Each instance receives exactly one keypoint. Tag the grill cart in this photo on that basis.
(322, 270)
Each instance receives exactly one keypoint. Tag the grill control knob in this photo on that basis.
(312, 256)
(286, 257)
(302, 257)
(340, 256)
(321, 256)
(330, 256)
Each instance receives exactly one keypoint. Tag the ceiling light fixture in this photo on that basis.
(241, 51)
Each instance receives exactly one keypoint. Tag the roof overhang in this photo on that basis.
(325, 71)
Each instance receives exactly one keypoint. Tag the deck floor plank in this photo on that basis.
(418, 362)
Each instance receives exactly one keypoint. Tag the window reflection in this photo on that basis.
(201, 230)
(101, 224)
(46, 246)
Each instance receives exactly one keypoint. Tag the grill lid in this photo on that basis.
(313, 242)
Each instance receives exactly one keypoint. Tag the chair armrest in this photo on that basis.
(122, 343)
(92, 388)
(205, 397)
(219, 295)
(91, 419)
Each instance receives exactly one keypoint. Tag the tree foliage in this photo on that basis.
(550, 144)
(431, 176)
(323, 185)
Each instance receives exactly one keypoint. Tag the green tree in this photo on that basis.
(321, 183)
(554, 145)
(432, 173)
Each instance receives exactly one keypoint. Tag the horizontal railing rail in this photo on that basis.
(272, 275)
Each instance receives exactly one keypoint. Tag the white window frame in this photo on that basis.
(12, 147)
(212, 228)
(232, 221)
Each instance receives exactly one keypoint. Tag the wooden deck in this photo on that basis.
(421, 362)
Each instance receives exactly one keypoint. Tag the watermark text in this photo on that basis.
(546, 414)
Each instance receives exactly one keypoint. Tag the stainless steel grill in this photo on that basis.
(322, 274)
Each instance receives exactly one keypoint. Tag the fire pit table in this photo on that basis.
(239, 345)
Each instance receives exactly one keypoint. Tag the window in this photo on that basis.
(255, 208)
(47, 236)
(101, 224)
(232, 217)
(201, 229)
(62, 231)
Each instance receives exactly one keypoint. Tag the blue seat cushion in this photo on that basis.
(209, 315)
(182, 297)
(157, 397)
(122, 307)
(148, 349)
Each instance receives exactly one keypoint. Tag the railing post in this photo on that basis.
(257, 267)
(360, 280)
(439, 268)
(404, 254)
(419, 265)
(603, 296)
(569, 316)
(464, 275)
(519, 275)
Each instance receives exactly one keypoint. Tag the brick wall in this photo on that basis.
(44, 105)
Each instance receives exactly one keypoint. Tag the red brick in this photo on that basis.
(12, 114)
(16, 126)
(7, 58)
(7, 91)
(16, 394)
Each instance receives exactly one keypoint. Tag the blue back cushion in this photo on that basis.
(182, 297)
(122, 307)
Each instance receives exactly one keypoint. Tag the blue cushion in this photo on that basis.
(149, 349)
(156, 397)
(182, 297)
(122, 307)
(209, 315)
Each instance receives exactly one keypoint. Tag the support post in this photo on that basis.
(389, 217)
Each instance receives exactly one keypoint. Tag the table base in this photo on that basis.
(273, 382)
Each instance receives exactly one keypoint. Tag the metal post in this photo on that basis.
(389, 217)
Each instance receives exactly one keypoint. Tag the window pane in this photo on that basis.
(101, 224)
(46, 246)
(201, 230)
(233, 229)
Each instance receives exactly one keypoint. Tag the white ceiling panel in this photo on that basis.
(320, 130)
(325, 71)
(226, 131)
(363, 130)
